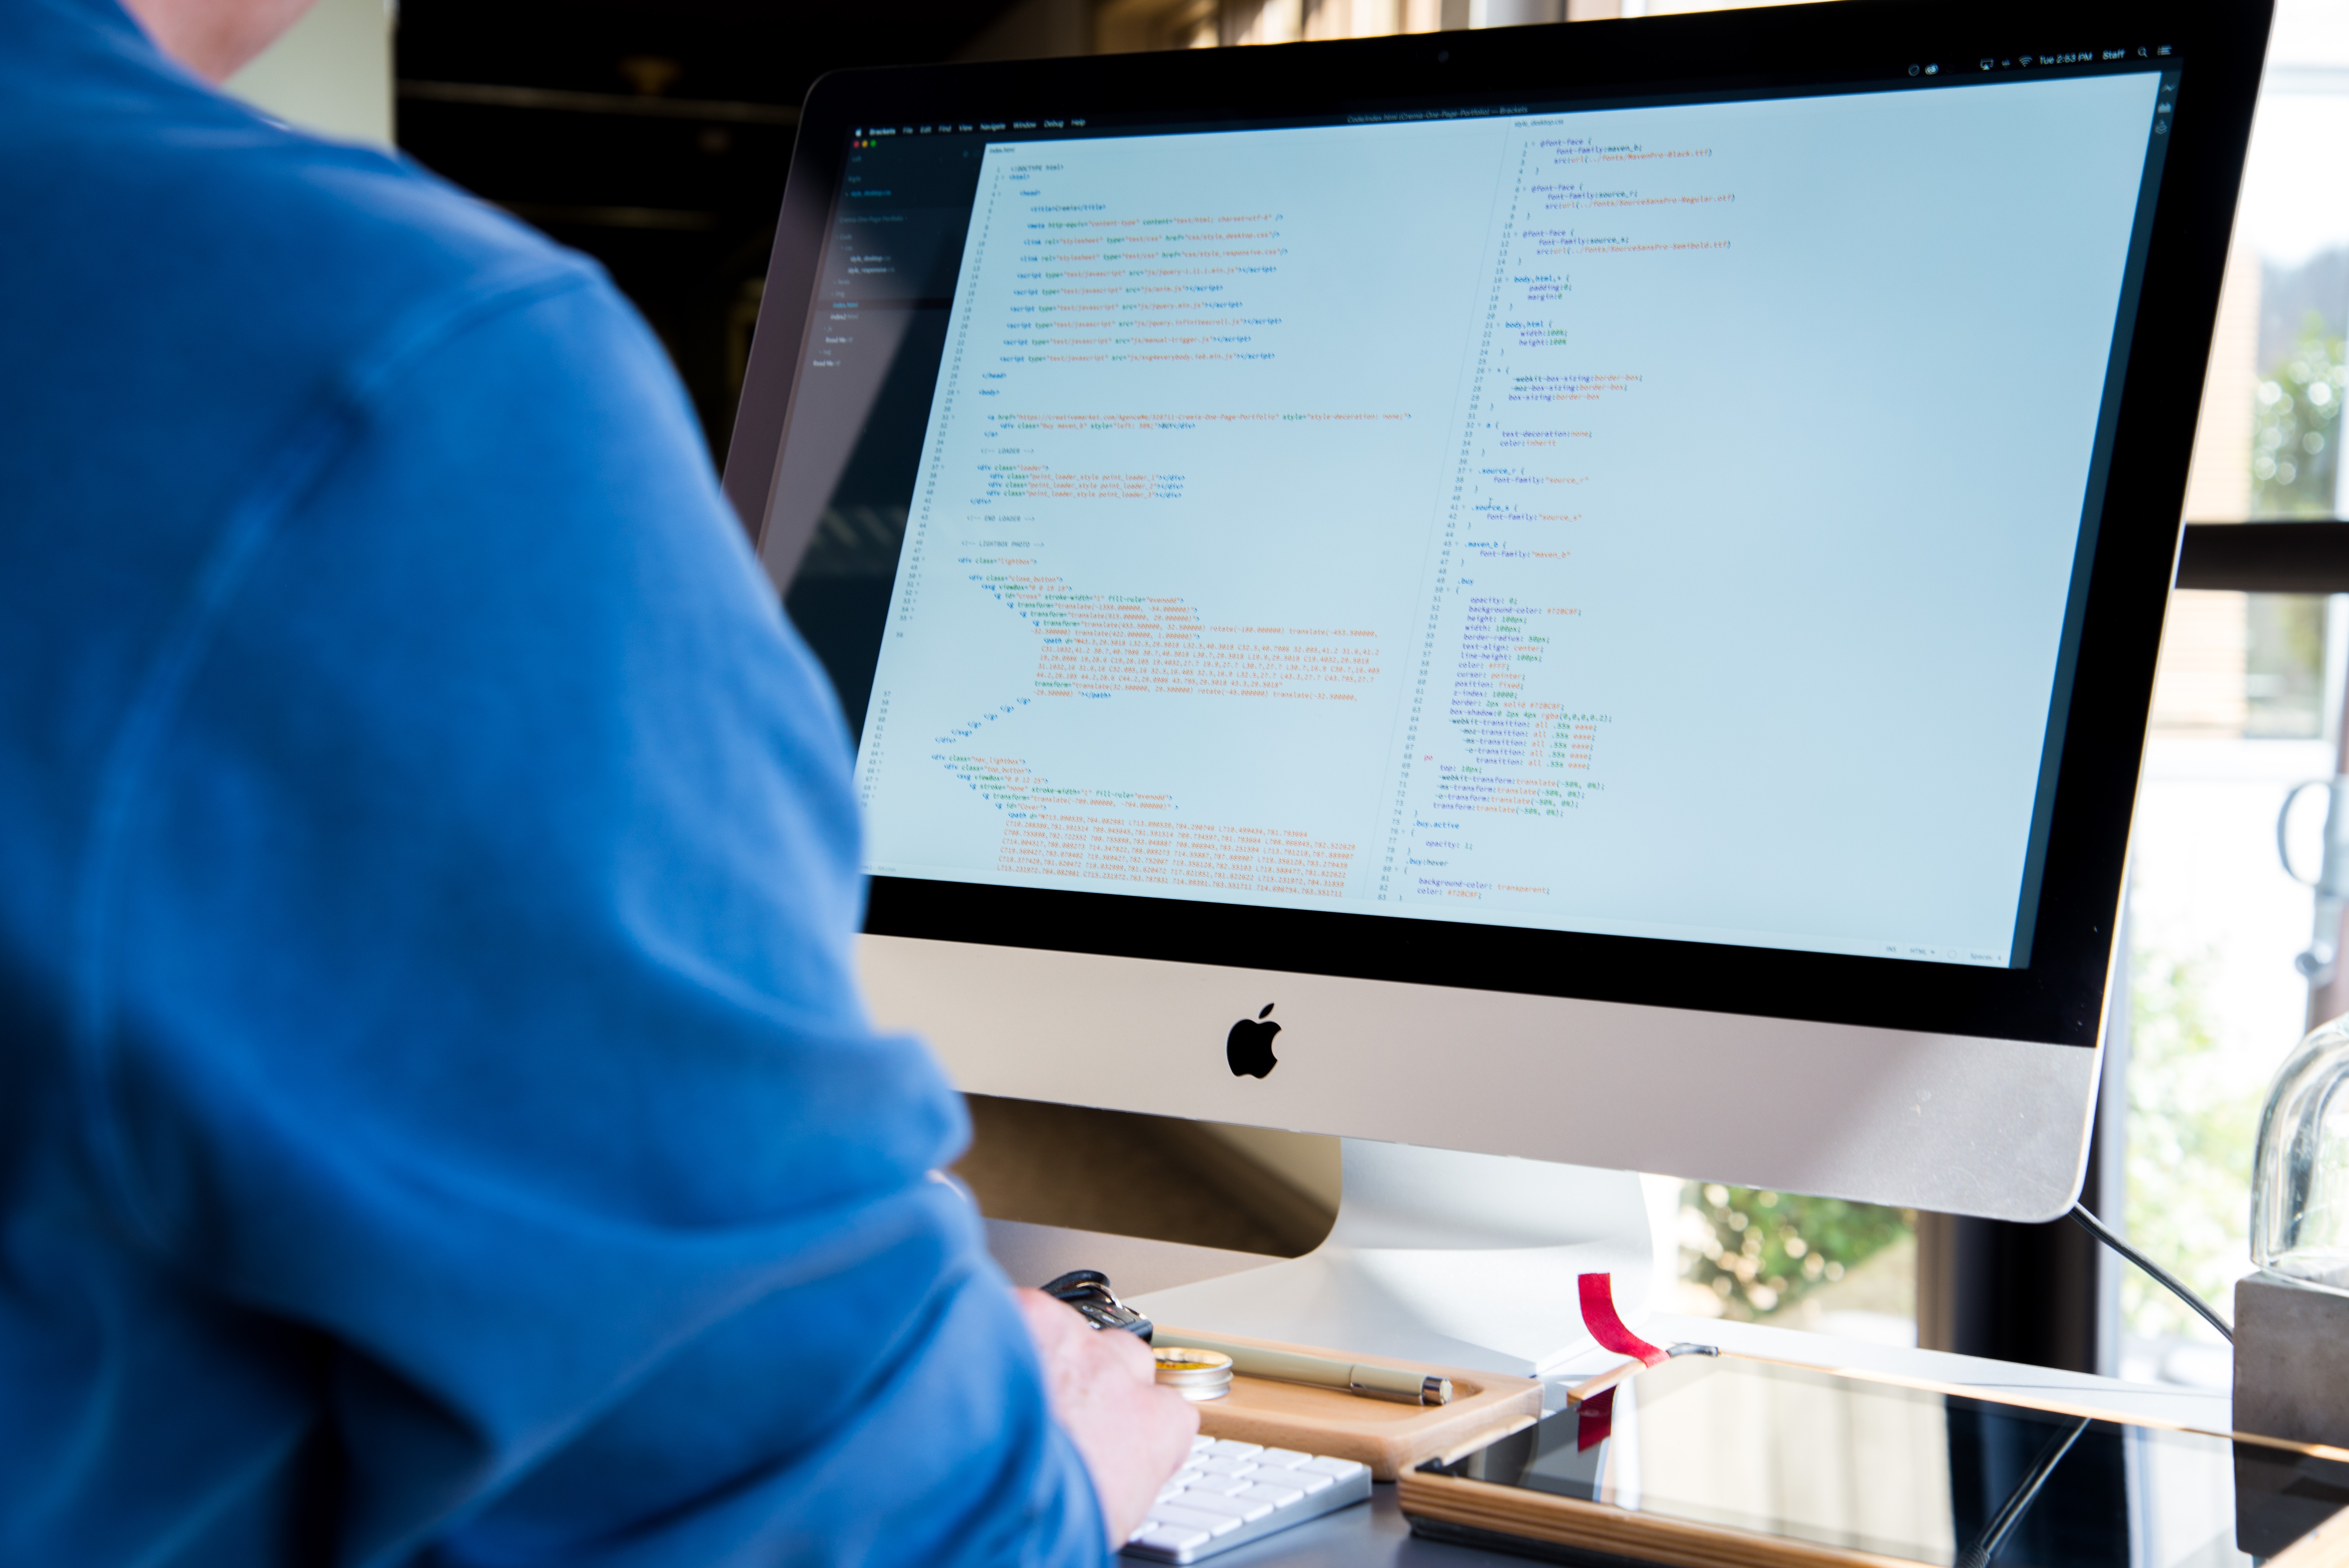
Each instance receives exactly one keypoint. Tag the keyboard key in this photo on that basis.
(1234, 1494)
(1195, 1518)
(1171, 1537)
(1201, 1443)
(1242, 1509)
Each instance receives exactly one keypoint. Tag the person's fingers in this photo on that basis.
(1061, 1335)
(1124, 1348)
(1154, 1430)
(1175, 1421)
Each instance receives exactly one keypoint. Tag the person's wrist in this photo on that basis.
(1131, 1434)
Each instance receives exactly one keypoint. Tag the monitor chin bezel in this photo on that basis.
(1943, 1122)
(2057, 996)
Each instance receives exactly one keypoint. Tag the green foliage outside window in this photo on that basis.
(1764, 1251)
(2191, 1128)
(2296, 428)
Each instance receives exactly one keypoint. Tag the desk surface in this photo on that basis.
(1378, 1535)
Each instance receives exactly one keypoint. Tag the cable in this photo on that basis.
(2027, 1494)
(2097, 1229)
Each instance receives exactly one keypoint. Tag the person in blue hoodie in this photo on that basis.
(438, 1123)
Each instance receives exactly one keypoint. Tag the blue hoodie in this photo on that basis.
(438, 1123)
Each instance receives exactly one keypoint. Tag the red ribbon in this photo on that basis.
(1596, 1424)
(1599, 1316)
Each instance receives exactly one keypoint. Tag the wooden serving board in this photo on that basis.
(1387, 1436)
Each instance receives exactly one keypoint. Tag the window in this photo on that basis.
(2248, 703)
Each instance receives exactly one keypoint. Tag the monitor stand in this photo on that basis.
(1463, 1260)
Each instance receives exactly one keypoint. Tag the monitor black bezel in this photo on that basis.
(2058, 999)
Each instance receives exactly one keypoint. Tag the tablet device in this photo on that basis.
(1702, 1461)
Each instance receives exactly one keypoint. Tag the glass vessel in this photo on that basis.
(2299, 1182)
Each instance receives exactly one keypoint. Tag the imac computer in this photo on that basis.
(1553, 602)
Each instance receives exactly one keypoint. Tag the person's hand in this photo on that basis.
(1102, 1384)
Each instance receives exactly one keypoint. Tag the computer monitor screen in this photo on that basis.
(1658, 520)
(1637, 526)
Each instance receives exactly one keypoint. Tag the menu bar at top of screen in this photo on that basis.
(1963, 67)
(1516, 521)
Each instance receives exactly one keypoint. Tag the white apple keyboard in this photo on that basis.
(1228, 1494)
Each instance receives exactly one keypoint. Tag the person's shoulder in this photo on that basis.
(214, 234)
(335, 239)
(201, 306)
(370, 252)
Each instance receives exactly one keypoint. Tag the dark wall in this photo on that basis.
(655, 138)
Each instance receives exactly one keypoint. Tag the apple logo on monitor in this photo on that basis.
(1249, 1048)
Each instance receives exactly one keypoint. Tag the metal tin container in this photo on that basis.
(1198, 1376)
